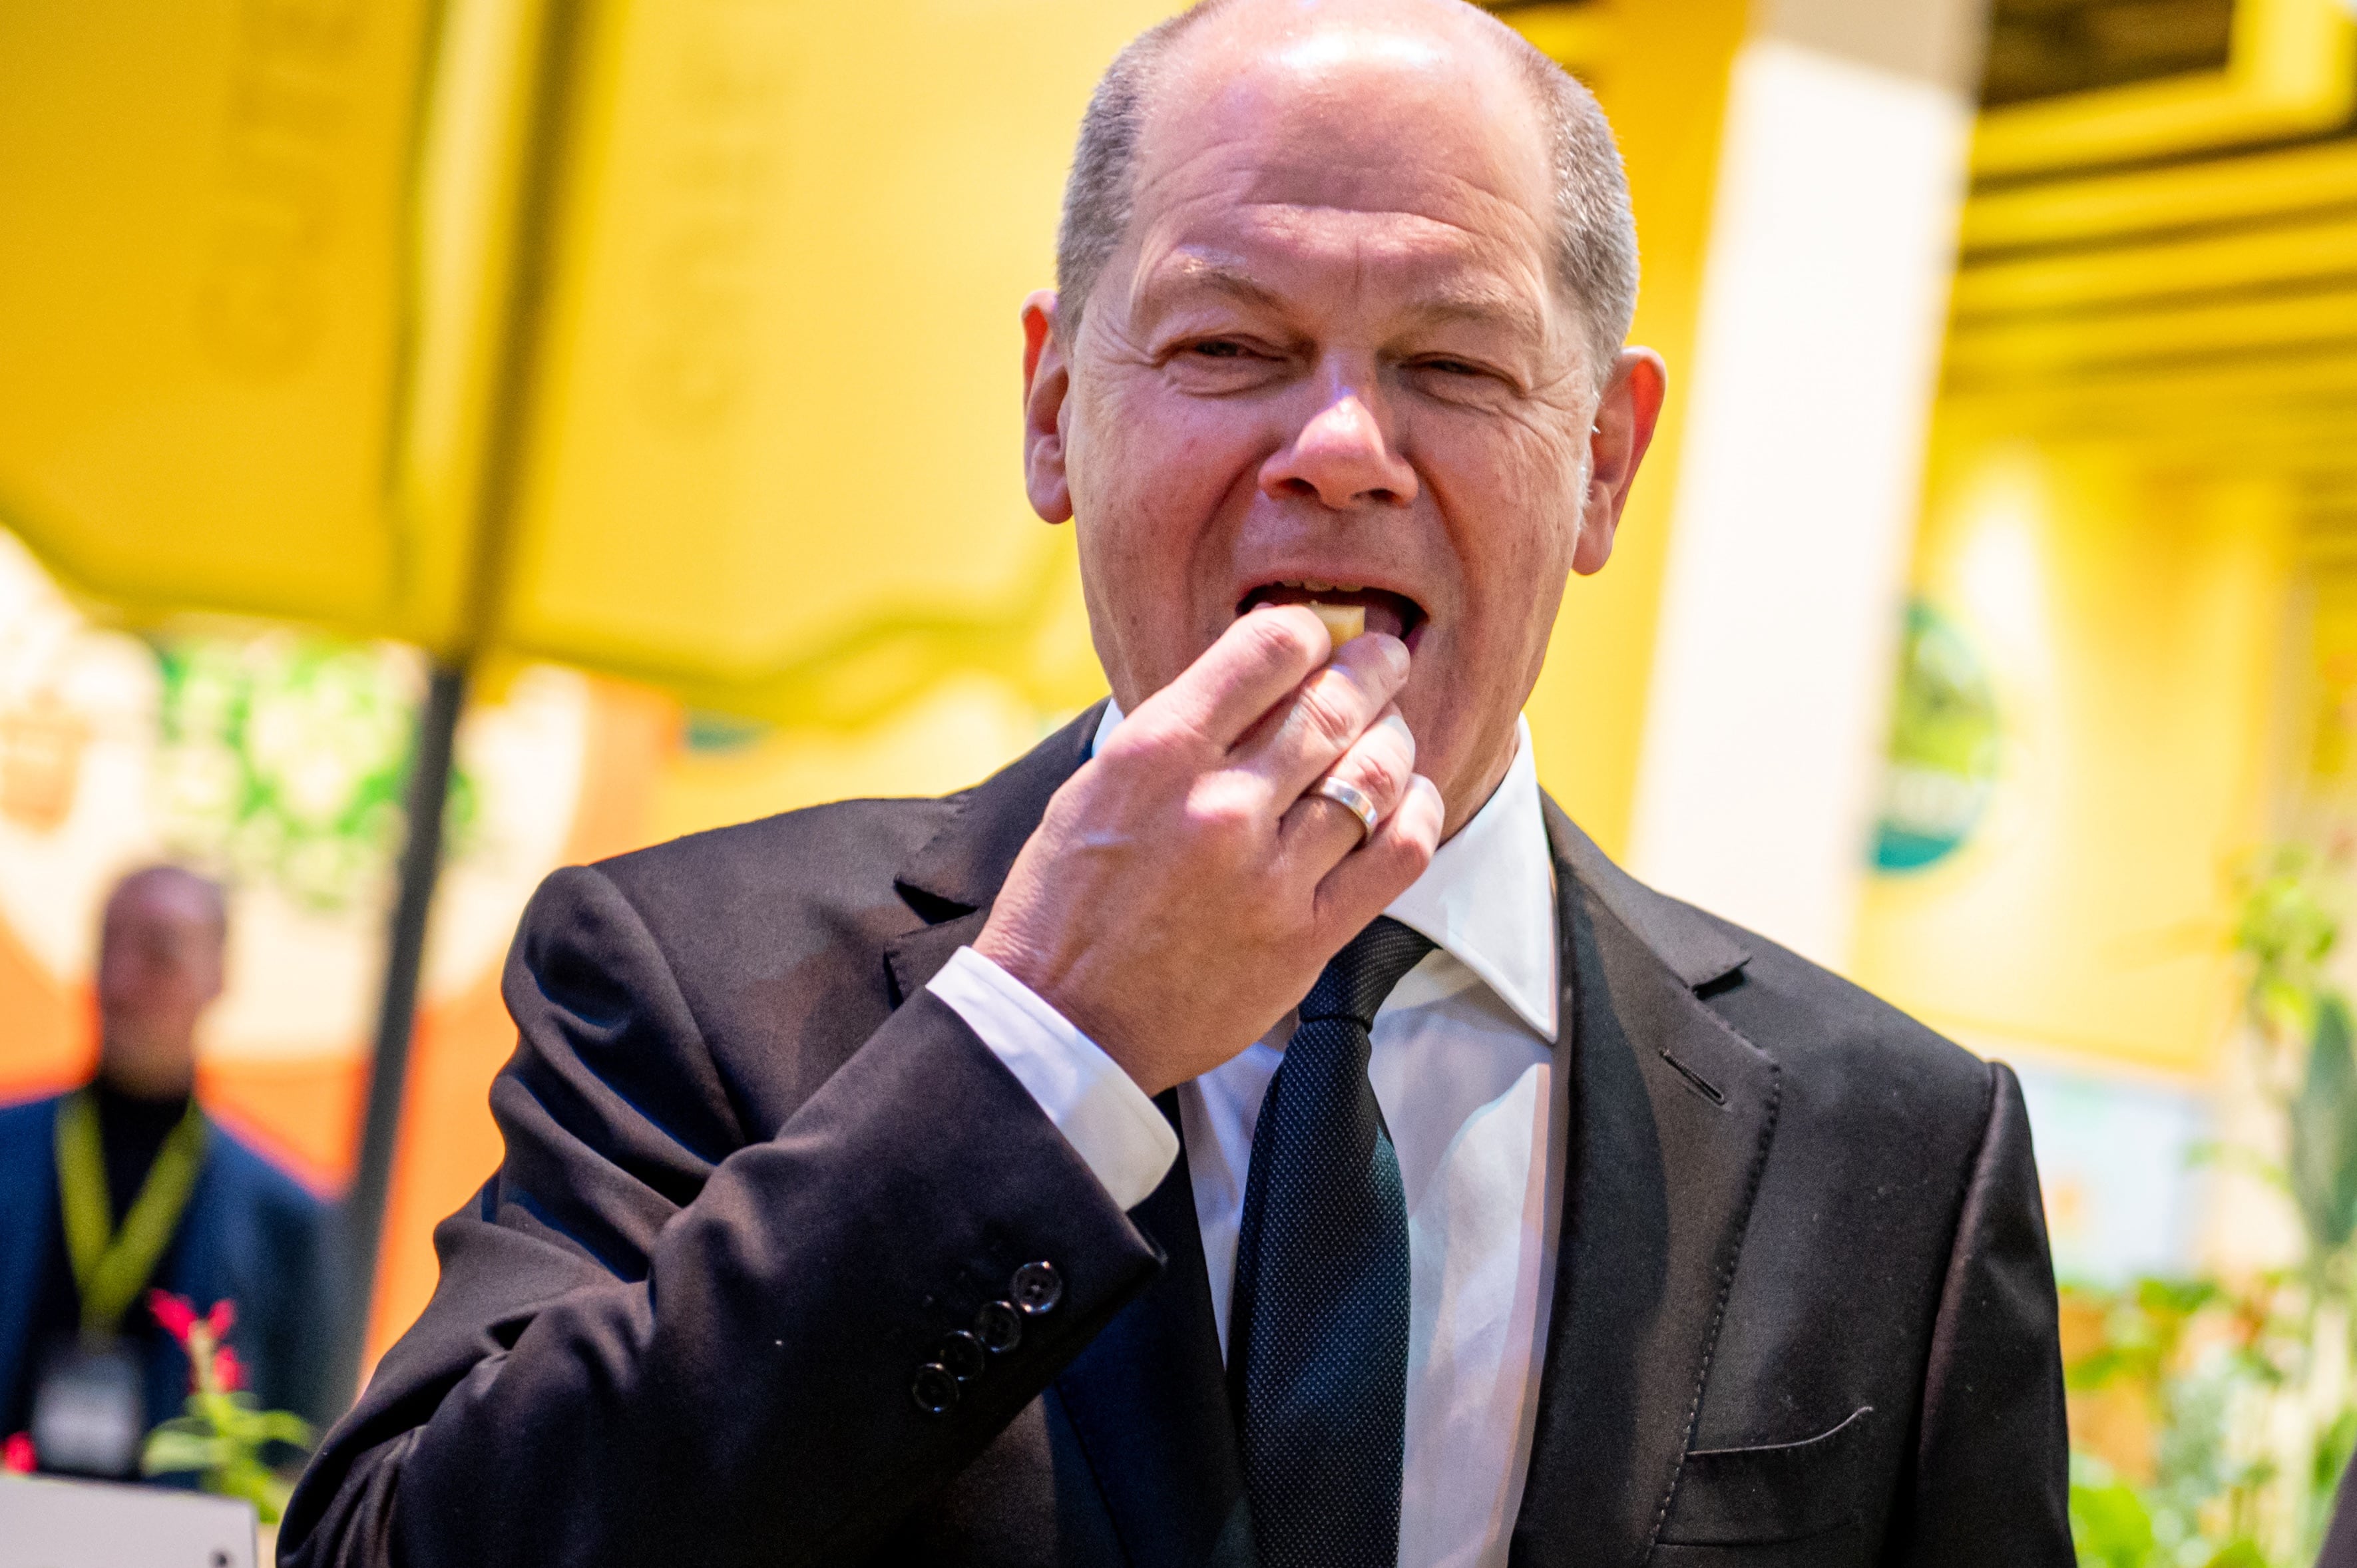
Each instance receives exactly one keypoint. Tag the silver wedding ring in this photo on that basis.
(1352, 799)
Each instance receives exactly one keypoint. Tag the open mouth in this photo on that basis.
(1385, 611)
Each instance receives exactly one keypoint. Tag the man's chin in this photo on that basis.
(1465, 757)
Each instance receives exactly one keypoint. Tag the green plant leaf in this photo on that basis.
(283, 1426)
(2323, 1117)
(2109, 1522)
(170, 1452)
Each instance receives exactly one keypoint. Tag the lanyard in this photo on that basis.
(111, 1266)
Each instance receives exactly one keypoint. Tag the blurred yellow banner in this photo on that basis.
(202, 296)
(774, 459)
(672, 339)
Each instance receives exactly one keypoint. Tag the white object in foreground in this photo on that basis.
(50, 1523)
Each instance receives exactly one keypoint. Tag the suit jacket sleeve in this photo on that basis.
(2339, 1549)
(659, 1337)
(1992, 1459)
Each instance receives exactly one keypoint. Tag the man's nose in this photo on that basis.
(1340, 458)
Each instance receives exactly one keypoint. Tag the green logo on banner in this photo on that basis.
(1943, 747)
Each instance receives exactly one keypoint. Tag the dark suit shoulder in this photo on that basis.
(752, 901)
(890, 826)
(1828, 1029)
(840, 855)
(1824, 1032)
(754, 951)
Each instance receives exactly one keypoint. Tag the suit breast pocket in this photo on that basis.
(1783, 1505)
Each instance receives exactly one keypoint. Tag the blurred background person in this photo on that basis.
(124, 1185)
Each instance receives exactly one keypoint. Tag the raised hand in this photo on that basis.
(1183, 890)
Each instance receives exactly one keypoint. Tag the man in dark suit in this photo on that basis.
(163, 1198)
(1255, 1126)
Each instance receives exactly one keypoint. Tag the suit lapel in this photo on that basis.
(1671, 1114)
(912, 960)
(951, 880)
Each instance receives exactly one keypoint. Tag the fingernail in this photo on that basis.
(1398, 727)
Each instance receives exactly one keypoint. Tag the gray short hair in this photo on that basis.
(1595, 250)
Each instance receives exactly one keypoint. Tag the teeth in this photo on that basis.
(1312, 585)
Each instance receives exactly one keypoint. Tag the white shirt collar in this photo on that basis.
(1488, 897)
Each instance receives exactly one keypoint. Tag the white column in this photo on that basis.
(1824, 303)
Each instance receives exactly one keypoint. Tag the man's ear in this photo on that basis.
(1047, 381)
(1625, 417)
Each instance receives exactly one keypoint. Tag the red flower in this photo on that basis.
(176, 1313)
(205, 1338)
(17, 1455)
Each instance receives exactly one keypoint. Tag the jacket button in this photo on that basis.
(935, 1390)
(962, 1353)
(999, 1327)
(1037, 1288)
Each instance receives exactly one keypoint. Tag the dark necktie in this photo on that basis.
(1317, 1353)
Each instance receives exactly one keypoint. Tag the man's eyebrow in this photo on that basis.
(1472, 304)
(1184, 274)
(1479, 307)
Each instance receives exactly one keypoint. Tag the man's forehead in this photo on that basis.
(1344, 143)
(1359, 110)
(1270, 25)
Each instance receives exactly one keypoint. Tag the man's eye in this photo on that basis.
(1450, 367)
(1220, 349)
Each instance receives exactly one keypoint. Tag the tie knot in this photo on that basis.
(1364, 972)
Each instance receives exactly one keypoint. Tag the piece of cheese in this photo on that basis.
(1343, 622)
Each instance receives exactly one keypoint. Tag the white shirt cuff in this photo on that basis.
(1108, 1119)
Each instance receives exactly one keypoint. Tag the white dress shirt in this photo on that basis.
(1464, 1070)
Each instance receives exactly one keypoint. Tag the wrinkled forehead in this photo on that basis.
(1378, 149)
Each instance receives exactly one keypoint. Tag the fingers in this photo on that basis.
(1315, 831)
(1307, 736)
(1247, 671)
(1369, 878)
